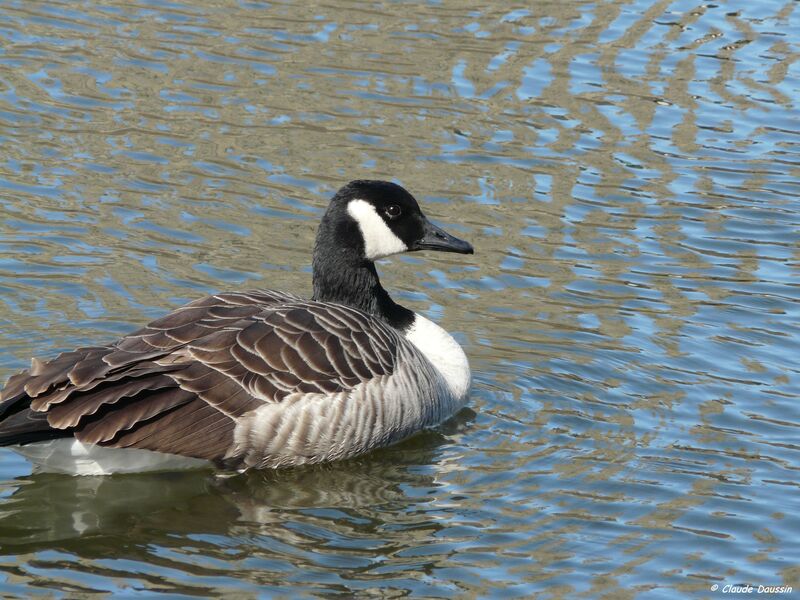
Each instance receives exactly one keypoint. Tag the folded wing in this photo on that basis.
(180, 384)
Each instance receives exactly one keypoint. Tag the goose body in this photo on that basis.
(258, 378)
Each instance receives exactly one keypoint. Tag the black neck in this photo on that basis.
(344, 277)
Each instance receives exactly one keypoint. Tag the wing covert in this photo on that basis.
(179, 384)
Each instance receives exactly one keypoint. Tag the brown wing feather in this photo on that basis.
(45, 375)
(193, 429)
(179, 384)
(104, 429)
(67, 415)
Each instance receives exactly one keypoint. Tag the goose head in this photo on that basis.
(377, 219)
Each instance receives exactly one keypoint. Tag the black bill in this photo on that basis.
(436, 238)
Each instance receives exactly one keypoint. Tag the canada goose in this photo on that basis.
(257, 378)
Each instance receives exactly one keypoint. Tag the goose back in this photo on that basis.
(257, 378)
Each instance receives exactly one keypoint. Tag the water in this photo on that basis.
(628, 173)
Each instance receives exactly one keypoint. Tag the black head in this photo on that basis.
(380, 219)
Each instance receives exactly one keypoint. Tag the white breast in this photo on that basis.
(444, 353)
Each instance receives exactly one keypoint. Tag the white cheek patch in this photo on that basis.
(379, 240)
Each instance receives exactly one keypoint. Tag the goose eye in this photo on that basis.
(393, 211)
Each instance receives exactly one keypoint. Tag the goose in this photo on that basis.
(260, 378)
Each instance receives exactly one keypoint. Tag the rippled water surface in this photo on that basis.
(628, 173)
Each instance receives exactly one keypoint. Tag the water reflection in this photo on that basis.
(42, 508)
(334, 516)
